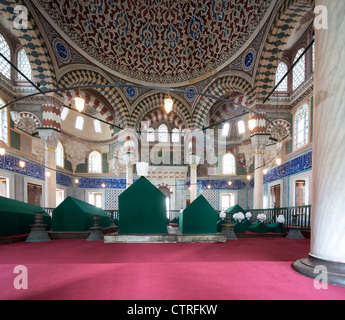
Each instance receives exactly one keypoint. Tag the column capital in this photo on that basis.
(259, 142)
(50, 137)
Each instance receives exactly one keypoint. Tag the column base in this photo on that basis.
(228, 231)
(335, 270)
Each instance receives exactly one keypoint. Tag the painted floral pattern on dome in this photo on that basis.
(158, 41)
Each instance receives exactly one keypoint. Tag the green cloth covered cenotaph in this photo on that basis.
(16, 217)
(76, 215)
(142, 209)
(199, 218)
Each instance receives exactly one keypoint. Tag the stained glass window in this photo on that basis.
(229, 164)
(298, 75)
(59, 155)
(163, 134)
(23, 65)
(301, 126)
(5, 68)
(281, 72)
(95, 162)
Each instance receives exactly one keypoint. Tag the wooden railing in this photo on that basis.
(302, 215)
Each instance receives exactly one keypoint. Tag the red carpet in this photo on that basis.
(250, 268)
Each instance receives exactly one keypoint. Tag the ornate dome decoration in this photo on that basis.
(158, 41)
(280, 130)
(28, 122)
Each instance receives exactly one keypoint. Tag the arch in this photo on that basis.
(289, 13)
(219, 88)
(159, 114)
(119, 104)
(163, 135)
(32, 42)
(154, 101)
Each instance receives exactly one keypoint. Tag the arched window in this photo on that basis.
(79, 123)
(95, 162)
(64, 113)
(298, 74)
(3, 123)
(163, 134)
(241, 127)
(150, 135)
(175, 136)
(5, 67)
(226, 129)
(301, 126)
(97, 125)
(281, 72)
(59, 155)
(229, 164)
(24, 65)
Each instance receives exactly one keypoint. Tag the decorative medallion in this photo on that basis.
(131, 92)
(61, 50)
(190, 96)
(249, 59)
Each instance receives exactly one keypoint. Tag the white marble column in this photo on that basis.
(259, 142)
(50, 138)
(193, 163)
(129, 159)
(328, 172)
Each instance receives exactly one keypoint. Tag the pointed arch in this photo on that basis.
(219, 88)
(286, 18)
(33, 44)
(112, 95)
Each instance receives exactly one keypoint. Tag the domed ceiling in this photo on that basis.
(158, 41)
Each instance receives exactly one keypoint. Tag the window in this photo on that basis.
(60, 196)
(313, 56)
(64, 113)
(59, 155)
(5, 68)
(229, 164)
(163, 134)
(228, 201)
(3, 123)
(97, 125)
(95, 199)
(301, 127)
(150, 135)
(298, 75)
(281, 72)
(241, 127)
(226, 129)
(24, 65)
(175, 136)
(4, 187)
(95, 162)
(79, 124)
